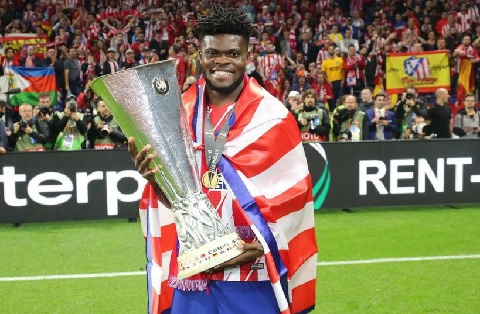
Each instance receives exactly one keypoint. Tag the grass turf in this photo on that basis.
(449, 286)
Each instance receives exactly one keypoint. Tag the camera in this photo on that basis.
(104, 130)
(72, 105)
(312, 121)
(341, 115)
(43, 110)
(409, 96)
(24, 124)
(345, 135)
(422, 129)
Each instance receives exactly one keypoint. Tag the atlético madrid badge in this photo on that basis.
(160, 85)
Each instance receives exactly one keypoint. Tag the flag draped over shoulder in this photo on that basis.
(272, 187)
(32, 82)
(427, 71)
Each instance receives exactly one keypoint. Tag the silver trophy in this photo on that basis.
(146, 102)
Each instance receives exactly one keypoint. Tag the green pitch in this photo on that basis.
(115, 246)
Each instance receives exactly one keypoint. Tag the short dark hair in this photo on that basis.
(224, 20)
(469, 95)
(380, 95)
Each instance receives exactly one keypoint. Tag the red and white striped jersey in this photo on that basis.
(322, 56)
(268, 63)
(464, 22)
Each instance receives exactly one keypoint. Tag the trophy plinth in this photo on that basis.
(147, 105)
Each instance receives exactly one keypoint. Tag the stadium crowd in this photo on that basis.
(324, 59)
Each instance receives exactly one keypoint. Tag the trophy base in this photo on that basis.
(209, 255)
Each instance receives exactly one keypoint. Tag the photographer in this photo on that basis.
(70, 127)
(312, 121)
(408, 105)
(44, 121)
(349, 123)
(25, 136)
(105, 132)
(3, 130)
(419, 130)
(467, 121)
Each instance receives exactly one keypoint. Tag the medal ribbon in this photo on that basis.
(214, 147)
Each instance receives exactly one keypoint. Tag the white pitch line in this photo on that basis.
(399, 259)
(332, 263)
(475, 178)
(76, 276)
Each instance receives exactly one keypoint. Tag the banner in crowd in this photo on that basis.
(19, 41)
(32, 82)
(427, 71)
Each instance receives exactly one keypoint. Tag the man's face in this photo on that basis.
(223, 58)
(270, 47)
(73, 53)
(102, 109)
(26, 112)
(44, 101)
(469, 102)
(350, 103)
(441, 43)
(310, 101)
(352, 51)
(31, 51)
(9, 54)
(331, 50)
(413, 92)
(466, 40)
(380, 102)
(366, 95)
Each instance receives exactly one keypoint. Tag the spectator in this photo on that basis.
(174, 53)
(312, 121)
(323, 91)
(110, 65)
(30, 60)
(366, 101)
(70, 127)
(105, 133)
(354, 66)
(335, 75)
(293, 103)
(270, 65)
(25, 136)
(8, 60)
(467, 121)
(439, 117)
(466, 57)
(193, 61)
(73, 83)
(381, 122)
(335, 35)
(130, 59)
(347, 41)
(349, 123)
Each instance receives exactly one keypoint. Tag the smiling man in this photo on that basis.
(264, 191)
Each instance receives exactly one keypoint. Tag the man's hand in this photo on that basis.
(2, 150)
(251, 251)
(28, 129)
(16, 127)
(142, 160)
